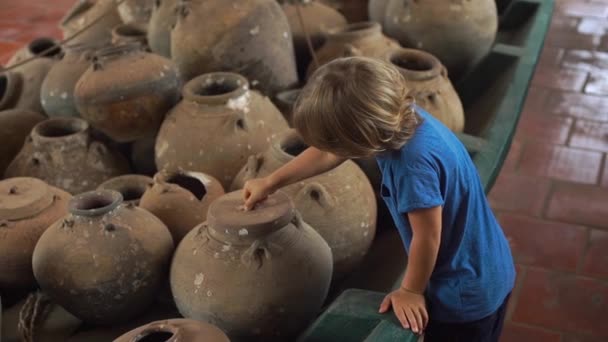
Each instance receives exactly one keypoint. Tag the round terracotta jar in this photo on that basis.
(259, 274)
(126, 92)
(15, 126)
(131, 187)
(217, 125)
(181, 199)
(62, 152)
(162, 20)
(174, 330)
(460, 33)
(57, 90)
(429, 85)
(339, 204)
(132, 32)
(83, 13)
(28, 206)
(359, 39)
(251, 37)
(353, 10)
(116, 261)
(318, 19)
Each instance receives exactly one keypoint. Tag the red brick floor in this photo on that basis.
(552, 194)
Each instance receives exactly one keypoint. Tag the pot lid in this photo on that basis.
(23, 197)
(227, 215)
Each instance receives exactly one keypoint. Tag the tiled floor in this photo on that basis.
(552, 195)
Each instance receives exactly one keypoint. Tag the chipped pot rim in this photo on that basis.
(95, 203)
(432, 67)
(238, 88)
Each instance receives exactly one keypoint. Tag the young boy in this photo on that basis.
(460, 271)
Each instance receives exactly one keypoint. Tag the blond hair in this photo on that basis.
(355, 107)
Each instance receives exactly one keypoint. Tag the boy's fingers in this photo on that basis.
(411, 318)
(386, 304)
(425, 317)
(401, 316)
(418, 317)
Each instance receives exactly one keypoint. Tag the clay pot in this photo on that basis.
(126, 92)
(217, 125)
(62, 152)
(28, 206)
(142, 156)
(429, 85)
(135, 11)
(83, 13)
(318, 18)
(40, 47)
(460, 34)
(127, 33)
(360, 39)
(285, 101)
(15, 126)
(251, 37)
(354, 10)
(131, 187)
(179, 329)
(116, 261)
(181, 199)
(162, 20)
(339, 204)
(57, 91)
(262, 273)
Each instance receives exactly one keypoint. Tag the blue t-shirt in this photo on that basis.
(474, 271)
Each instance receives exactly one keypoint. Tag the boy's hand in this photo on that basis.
(256, 190)
(409, 307)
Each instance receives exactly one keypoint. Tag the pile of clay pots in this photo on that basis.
(125, 147)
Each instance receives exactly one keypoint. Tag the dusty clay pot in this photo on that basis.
(430, 85)
(142, 156)
(255, 274)
(339, 204)
(217, 125)
(251, 37)
(83, 13)
(57, 91)
(318, 18)
(132, 32)
(116, 262)
(462, 32)
(62, 152)
(179, 329)
(15, 126)
(28, 206)
(126, 92)
(131, 187)
(164, 17)
(360, 39)
(354, 10)
(135, 11)
(285, 101)
(41, 47)
(181, 199)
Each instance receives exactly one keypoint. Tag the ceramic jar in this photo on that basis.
(116, 261)
(43, 47)
(318, 19)
(459, 34)
(339, 204)
(135, 11)
(259, 274)
(353, 10)
(179, 329)
(28, 206)
(131, 187)
(251, 37)
(15, 126)
(181, 199)
(126, 92)
(62, 152)
(83, 13)
(217, 125)
(57, 91)
(142, 155)
(359, 39)
(429, 85)
(132, 32)
(162, 20)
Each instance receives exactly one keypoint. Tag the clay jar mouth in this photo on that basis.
(95, 203)
(131, 187)
(288, 146)
(289, 97)
(415, 64)
(129, 30)
(189, 182)
(10, 83)
(355, 31)
(155, 336)
(216, 88)
(44, 47)
(59, 129)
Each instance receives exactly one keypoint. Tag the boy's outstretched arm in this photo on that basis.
(408, 301)
(307, 164)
